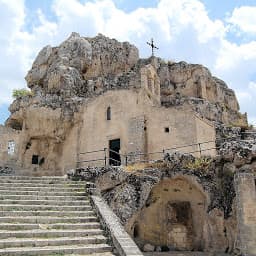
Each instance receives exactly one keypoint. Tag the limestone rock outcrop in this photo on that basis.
(80, 68)
(193, 85)
(76, 66)
(66, 77)
(180, 203)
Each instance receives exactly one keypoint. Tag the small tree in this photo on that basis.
(18, 93)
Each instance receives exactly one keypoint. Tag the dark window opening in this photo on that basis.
(28, 145)
(41, 161)
(108, 113)
(167, 129)
(136, 231)
(145, 128)
(15, 124)
(114, 156)
(243, 133)
(35, 159)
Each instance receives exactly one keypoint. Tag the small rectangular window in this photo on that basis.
(167, 129)
(35, 159)
(11, 147)
(108, 113)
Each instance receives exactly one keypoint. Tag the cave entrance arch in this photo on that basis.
(173, 217)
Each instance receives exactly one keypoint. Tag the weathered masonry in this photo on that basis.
(140, 126)
(96, 94)
(9, 145)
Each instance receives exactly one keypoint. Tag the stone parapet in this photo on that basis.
(123, 243)
(246, 212)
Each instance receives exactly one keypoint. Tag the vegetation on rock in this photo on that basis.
(19, 93)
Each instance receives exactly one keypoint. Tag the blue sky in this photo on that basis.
(218, 34)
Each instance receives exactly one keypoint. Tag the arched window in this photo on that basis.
(108, 113)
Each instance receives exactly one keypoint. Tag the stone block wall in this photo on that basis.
(246, 213)
(8, 138)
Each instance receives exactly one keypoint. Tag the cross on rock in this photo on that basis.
(152, 46)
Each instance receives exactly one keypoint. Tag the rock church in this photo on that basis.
(94, 101)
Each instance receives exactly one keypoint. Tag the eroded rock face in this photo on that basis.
(64, 78)
(181, 203)
(81, 67)
(193, 85)
(78, 63)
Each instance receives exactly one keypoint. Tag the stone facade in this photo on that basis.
(141, 126)
(9, 145)
(154, 105)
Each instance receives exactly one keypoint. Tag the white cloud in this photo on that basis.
(244, 19)
(11, 64)
(182, 30)
(252, 86)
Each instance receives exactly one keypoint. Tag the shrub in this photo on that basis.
(199, 163)
(19, 93)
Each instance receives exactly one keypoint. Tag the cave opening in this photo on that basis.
(173, 217)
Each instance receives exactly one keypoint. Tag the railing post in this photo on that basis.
(126, 160)
(200, 150)
(105, 157)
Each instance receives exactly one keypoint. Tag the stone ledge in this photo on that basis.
(120, 238)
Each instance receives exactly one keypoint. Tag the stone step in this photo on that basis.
(49, 207)
(17, 177)
(47, 219)
(22, 242)
(56, 250)
(91, 254)
(41, 185)
(40, 181)
(47, 213)
(38, 233)
(24, 226)
(43, 189)
(44, 202)
(42, 193)
(36, 197)
(184, 253)
(48, 216)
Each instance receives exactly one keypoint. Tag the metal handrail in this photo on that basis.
(111, 150)
(93, 160)
(189, 145)
(134, 154)
(94, 151)
(114, 160)
(142, 154)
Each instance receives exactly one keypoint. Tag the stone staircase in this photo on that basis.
(48, 216)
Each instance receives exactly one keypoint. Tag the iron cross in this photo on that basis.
(152, 46)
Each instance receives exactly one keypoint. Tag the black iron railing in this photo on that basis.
(103, 158)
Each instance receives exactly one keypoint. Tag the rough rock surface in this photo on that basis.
(4, 171)
(63, 79)
(131, 194)
(80, 65)
(193, 84)
(79, 68)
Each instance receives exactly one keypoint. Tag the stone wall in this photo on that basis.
(186, 203)
(9, 146)
(246, 212)
(73, 84)
(141, 126)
